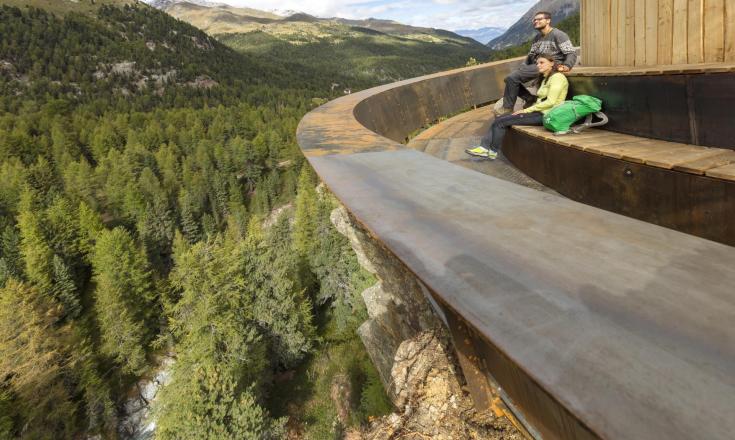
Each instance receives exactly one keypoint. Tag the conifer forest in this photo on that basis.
(154, 203)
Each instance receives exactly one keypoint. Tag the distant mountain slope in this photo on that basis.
(223, 19)
(136, 54)
(64, 6)
(482, 35)
(522, 30)
(370, 51)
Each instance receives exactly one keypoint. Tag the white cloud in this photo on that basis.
(444, 14)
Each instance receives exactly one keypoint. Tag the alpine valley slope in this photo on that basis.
(373, 51)
(138, 156)
(522, 31)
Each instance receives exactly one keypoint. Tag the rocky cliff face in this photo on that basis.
(410, 346)
(522, 30)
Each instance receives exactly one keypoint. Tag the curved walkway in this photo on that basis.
(595, 324)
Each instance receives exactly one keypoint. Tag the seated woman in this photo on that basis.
(552, 92)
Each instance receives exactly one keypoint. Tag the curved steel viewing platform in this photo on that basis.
(595, 323)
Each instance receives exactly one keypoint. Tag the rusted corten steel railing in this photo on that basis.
(595, 325)
(684, 103)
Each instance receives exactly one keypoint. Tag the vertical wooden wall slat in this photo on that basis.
(695, 31)
(679, 32)
(607, 41)
(640, 33)
(665, 31)
(583, 26)
(729, 31)
(714, 30)
(597, 34)
(614, 32)
(629, 33)
(651, 32)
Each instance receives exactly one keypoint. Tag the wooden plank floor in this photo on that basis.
(448, 139)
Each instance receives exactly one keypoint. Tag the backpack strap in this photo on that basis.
(588, 122)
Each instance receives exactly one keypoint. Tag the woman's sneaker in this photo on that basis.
(481, 151)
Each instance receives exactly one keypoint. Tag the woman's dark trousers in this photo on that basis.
(494, 137)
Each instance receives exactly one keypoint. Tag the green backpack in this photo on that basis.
(561, 117)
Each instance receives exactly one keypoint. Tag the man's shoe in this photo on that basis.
(480, 151)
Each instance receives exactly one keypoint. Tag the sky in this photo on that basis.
(444, 14)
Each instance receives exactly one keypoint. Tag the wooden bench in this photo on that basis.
(712, 162)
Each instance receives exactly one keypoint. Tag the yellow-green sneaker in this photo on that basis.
(480, 151)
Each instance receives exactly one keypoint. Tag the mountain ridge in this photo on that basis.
(217, 18)
(522, 30)
(482, 35)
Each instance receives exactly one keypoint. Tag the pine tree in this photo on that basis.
(64, 290)
(206, 403)
(305, 216)
(90, 227)
(35, 248)
(281, 305)
(12, 180)
(10, 255)
(124, 299)
(62, 228)
(35, 363)
(189, 225)
(7, 411)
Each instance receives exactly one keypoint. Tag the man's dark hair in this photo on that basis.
(547, 15)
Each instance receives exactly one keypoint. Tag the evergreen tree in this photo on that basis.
(213, 321)
(36, 363)
(64, 290)
(206, 403)
(189, 224)
(305, 216)
(11, 260)
(90, 227)
(124, 299)
(35, 248)
(6, 414)
(280, 305)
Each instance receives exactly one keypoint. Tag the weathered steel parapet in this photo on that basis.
(380, 118)
(594, 324)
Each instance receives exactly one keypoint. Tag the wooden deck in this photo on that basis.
(448, 139)
(712, 162)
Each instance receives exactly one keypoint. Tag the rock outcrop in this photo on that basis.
(397, 305)
(411, 349)
(430, 400)
(136, 422)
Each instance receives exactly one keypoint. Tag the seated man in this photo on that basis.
(548, 41)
